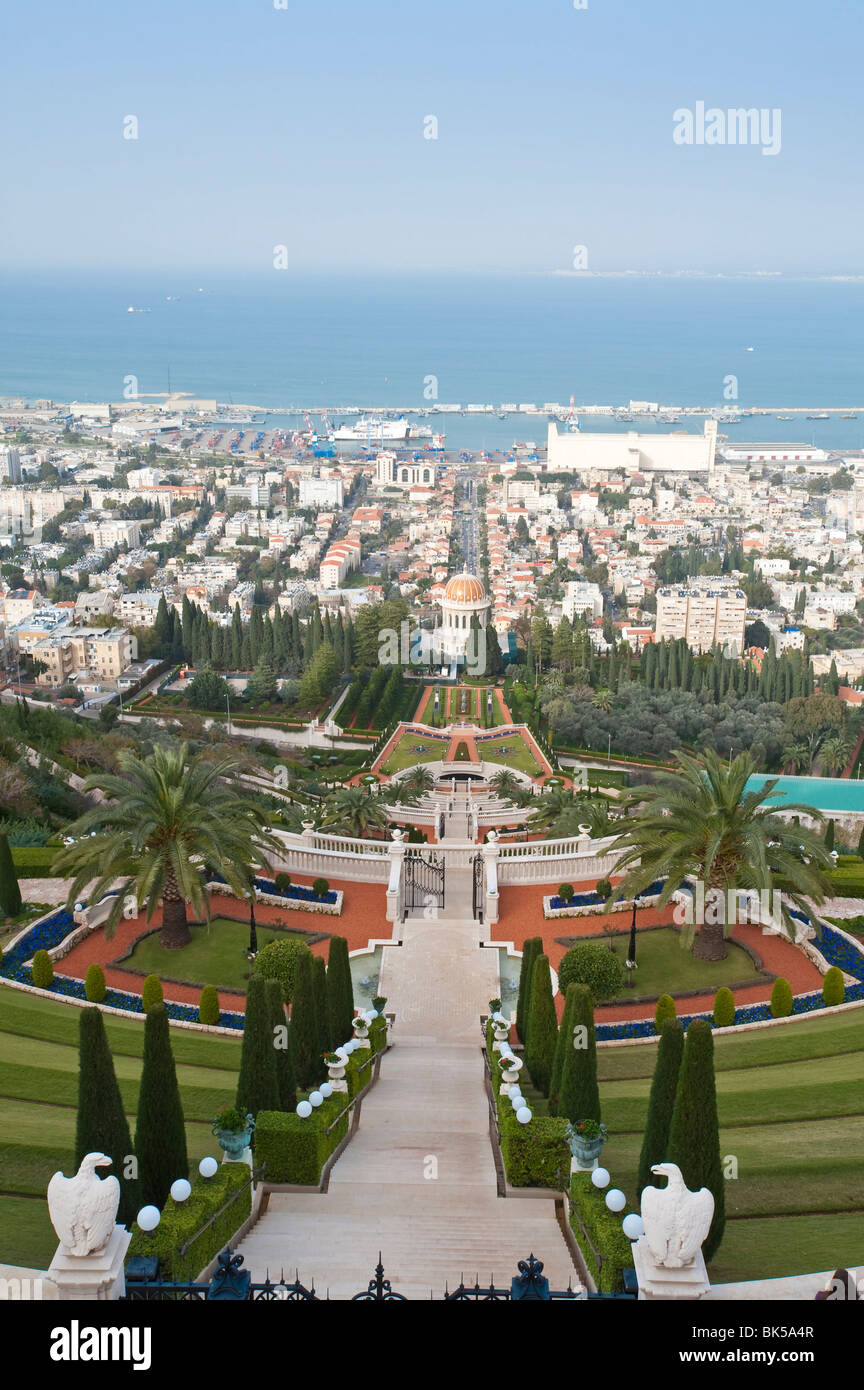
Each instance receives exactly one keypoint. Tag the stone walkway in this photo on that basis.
(417, 1182)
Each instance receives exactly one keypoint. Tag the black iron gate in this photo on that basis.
(477, 893)
(424, 880)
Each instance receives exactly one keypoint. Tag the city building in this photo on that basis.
(104, 653)
(634, 453)
(704, 617)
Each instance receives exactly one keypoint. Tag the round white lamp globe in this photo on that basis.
(600, 1177)
(149, 1218)
(207, 1167)
(615, 1199)
(632, 1226)
(316, 1098)
(304, 1110)
(326, 1089)
(523, 1115)
(181, 1189)
(372, 1014)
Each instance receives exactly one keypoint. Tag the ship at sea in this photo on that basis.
(375, 429)
(822, 416)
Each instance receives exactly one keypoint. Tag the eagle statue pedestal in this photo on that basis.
(668, 1255)
(95, 1276)
(88, 1263)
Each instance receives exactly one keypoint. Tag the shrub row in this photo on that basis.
(295, 1150)
(180, 1221)
(602, 1227)
(536, 1154)
(33, 861)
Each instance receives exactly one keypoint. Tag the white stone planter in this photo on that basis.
(336, 1076)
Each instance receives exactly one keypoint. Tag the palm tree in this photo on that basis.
(551, 806)
(796, 757)
(834, 754)
(602, 699)
(507, 785)
(353, 811)
(699, 823)
(167, 820)
(417, 783)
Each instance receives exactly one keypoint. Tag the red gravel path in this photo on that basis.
(363, 917)
(521, 916)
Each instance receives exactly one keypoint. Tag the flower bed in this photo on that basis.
(583, 904)
(297, 896)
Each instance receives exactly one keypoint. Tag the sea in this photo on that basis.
(283, 342)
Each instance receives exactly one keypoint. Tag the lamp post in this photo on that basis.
(253, 934)
(228, 704)
(609, 750)
(631, 948)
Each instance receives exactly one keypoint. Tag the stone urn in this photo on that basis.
(510, 1069)
(361, 1031)
(234, 1143)
(336, 1073)
(585, 1148)
(501, 1028)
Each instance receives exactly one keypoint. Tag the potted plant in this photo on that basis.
(378, 1003)
(501, 1026)
(335, 1066)
(586, 1139)
(361, 1027)
(494, 1006)
(233, 1130)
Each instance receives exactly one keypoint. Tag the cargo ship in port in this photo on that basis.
(823, 416)
(377, 430)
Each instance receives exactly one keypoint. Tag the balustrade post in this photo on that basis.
(396, 854)
(490, 874)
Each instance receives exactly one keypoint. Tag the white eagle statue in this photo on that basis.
(83, 1209)
(675, 1220)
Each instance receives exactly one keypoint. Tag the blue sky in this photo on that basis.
(304, 127)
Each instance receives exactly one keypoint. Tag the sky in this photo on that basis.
(303, 127)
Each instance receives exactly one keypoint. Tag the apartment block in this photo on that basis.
(703, 617)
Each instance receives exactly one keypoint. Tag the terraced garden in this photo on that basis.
(510, 750)
(38, 1100)
(791, 1107)
(216, 955)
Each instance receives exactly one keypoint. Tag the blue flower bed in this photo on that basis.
(50, 932)
(268, 885)
(594, 899)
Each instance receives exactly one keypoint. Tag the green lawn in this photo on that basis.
(518, 754)
(216, 954)
(666, 966)
(38, 1099)
(412, 749)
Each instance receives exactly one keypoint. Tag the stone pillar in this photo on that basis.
(96, 1276)
(490, 873)
(308, 833)
(396, 853)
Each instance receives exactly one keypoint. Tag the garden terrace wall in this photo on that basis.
(183, 1220)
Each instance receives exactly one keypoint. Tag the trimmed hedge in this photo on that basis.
(724, 1008)
(602, 1228)
(208, 1007)
(295, 1150)
(665, 1009)
(43, 970)
(833, 986)
(33, 861)
(180, 1221)
(781, 998)
(95, 987)
(536, 1154)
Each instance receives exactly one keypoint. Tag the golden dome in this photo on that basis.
(465, 588)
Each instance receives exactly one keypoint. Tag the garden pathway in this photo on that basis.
(417, 1182)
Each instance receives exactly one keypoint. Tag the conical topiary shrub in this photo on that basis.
(305, 1034)
(151, 993)
(565, 1031)
(661, 1102)
(160, 1136)
(322, 1007)
(10, 893)
(95, 988)
(257, 1084)
(664, 1009)
(208, 1006)
(530, 951)
(43, 970)
(281, 1034)
(694, 1136)
(101, 1125)
(542, 1026)
(724, 1008)
(340, 991)
(579, 1097)
(833, 987)
(781, 998)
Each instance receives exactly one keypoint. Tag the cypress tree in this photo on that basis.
(102, 1126)
(661, 1101)
(278, 1018)
(322, 1007)
(568, 1023)
(829, 836)
(10, 893)
(694, 1136)
(340, 991)
(160, 1138)
(305, 1037)
(542, 1026)
(257, 1084)
(579, 1097)
(530, 951)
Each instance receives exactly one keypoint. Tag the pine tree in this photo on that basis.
(258, 1083)
(530, 951)
(305, 1036)
(542, 1026)
(579, 1096)
(160, 1138)
(102, 1126)
(278, 1019)
(340, 991)
(694, 1136)
(661, 1102)
(10, 893)
(322, 1006)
